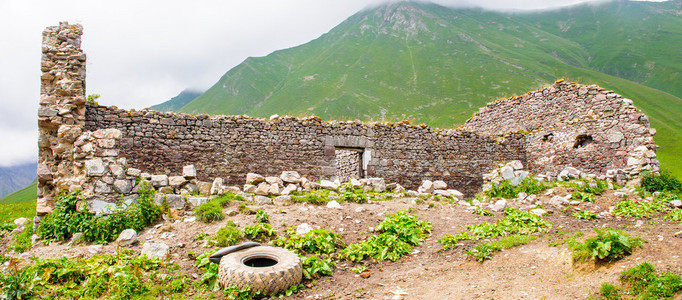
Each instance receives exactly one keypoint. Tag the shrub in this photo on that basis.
(209, 212)
(609, 245)
(661, 182)
(227, 235)
(66, 220)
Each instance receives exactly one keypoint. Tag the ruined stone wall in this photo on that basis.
(570, 125)
(228, 147)
(105, 150)
(61, 115)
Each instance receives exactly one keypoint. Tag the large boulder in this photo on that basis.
(176, 181)
(290, 177)
(189, 172)
(426, 187)
(253, 178)
(127, 237)
(159, 250)
(440, 185)
(329, 185)
(159, 180)
(176, 202)
(262, 189)
(378, 184)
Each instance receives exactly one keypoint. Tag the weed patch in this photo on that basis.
(639, 209)
(227, 235)
(485, 251)
(66, 220)
(505, 189)
(209, 212)
(642, 282)
(585, 215)
(398, 233)
(316, 241)
(118, 276)
(609, 245)
(22, 240)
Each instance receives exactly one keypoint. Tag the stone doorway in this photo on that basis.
(348, 163)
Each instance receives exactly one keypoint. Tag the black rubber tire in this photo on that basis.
(286, 272)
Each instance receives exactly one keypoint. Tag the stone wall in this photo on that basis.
(348, 164)
(104, 151)
(61, 114)
(570, 125)
(228, 147)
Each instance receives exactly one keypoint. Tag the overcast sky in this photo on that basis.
(141, 53)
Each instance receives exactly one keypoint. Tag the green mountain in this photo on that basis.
(27, 193)
(436, 65)
(178, 101)
(16, 177)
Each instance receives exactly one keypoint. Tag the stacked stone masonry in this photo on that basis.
(570, 125)
(104, 151)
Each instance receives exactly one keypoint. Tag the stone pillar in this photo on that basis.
(61, 115)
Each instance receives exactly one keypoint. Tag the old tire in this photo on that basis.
(267, 269)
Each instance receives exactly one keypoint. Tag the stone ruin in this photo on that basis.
(105, 151)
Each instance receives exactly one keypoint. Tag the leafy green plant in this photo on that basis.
(357, 197)
(484, 251)
(227, 235)
(675, 215)
(17, 283)
(262, 216)
(653, 182)
(210, 277)
(359, 269)
(398, 233)
(66, 220)
(209, 212)
(639, 277)
(259, 231)
(639, 209)
(91, 99)
(314, 267)
(482, 212)
(118, 276)
(609, 245)
(582, 196)
(505, 189)
(316, 241)
(584, 185)
(585, 215)
(22, 241)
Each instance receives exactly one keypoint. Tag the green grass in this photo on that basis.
(20, 204)
(28, 193)
(485, 251)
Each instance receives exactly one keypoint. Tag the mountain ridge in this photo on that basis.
(435, 65)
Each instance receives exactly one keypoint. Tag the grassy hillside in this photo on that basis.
(15, 177)
(435, 65)
(178, 101)
(21, 203)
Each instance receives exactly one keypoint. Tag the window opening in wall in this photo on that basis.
(349, 163)
(582, 141)
(548, 137)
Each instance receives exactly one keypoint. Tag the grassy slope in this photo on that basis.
(19, 204)
(177, 102)
(433, 65)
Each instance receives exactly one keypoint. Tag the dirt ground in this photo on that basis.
(532, 271)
